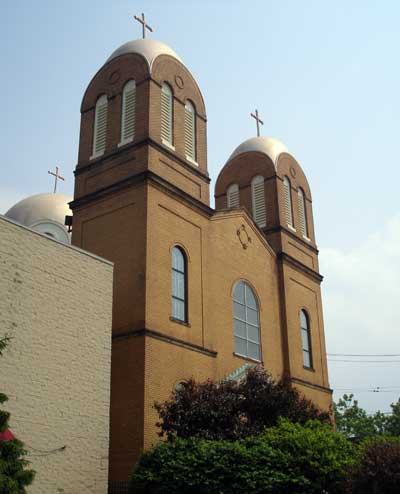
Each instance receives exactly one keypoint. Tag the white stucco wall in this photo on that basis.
(56, 303)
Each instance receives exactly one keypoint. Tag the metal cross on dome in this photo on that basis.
(56, 178)
(258, 120)
(144, 25)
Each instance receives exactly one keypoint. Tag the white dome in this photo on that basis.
(44, 213)
(150, 49)
(273, 148)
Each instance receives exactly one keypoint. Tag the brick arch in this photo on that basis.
(285, 166)
(242, 169)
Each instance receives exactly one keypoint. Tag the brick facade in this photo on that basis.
(134, 204)
(55, 303)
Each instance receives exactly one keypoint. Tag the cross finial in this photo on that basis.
(258, 120)
(56, 178)
(144, 25)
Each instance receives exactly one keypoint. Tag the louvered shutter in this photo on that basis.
(166, 114)
(302, 213)
(128, 122)
(190, 131)
(100, 126)
(232, 195)
(258, 201)
(288, 201)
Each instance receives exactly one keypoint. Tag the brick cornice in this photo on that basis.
(311, 385)
(294, 263)
(282, 229)
(138, 144)
(150, 333)
(148, 176)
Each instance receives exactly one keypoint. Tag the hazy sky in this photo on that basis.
(325, 77)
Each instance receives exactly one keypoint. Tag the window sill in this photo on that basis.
(168, 144)
(310, 369)
(306, 238)
(179, 321)
(122, 143)
(291, 228)
(192, 161)
(247, 358)
(94, 156)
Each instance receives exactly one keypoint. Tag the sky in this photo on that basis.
(325, 78)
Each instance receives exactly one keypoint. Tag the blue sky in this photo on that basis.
(325, 78)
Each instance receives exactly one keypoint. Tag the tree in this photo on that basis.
(393, 421)
(233, 409)
(290, 458)
(14, 476)
(378, 467)
(354, 422)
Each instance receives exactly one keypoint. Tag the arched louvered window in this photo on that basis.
(166, 114)
(258, 201)
(179, 284)
(100, 127)
(246, 321)
(232, 196)
(306, 339)
(288, 201)
(190, 131)
(128, 112)
(301, 198)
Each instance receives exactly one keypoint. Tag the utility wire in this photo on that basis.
(363, 354)
(366, 361)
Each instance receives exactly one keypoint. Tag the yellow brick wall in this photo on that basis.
(55, 302)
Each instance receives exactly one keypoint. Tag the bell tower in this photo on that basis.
(263, 177)
(142, 137)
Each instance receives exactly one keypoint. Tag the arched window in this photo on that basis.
(302, 212)
(288, 201)
(246, 322)
(190, 131)
(128, 112)
(100, 127)
(306, 339)
(179, 284)
(166, 114)
(232, 196)
(258, 201)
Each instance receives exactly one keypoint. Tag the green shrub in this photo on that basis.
(286, 459)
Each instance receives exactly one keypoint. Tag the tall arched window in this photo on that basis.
(258, 201)
(166, 114)
(179, 284)
(306, 339)
(302, 212)
(128, 112)
(288, 201)
(232, 196)
(246, 321)
(100, 127)
(190, 131)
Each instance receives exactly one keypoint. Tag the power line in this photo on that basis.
(365, 361)
(363, 354)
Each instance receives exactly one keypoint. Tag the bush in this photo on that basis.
(288, 458)
(232, 410)
(378, 468)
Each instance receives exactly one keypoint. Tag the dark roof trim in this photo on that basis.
(294, 263)
(150, 333)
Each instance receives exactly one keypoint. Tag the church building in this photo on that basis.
(198, 291)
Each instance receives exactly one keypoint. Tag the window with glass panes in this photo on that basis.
(246, 320)
(305, 339)
(179, 302)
